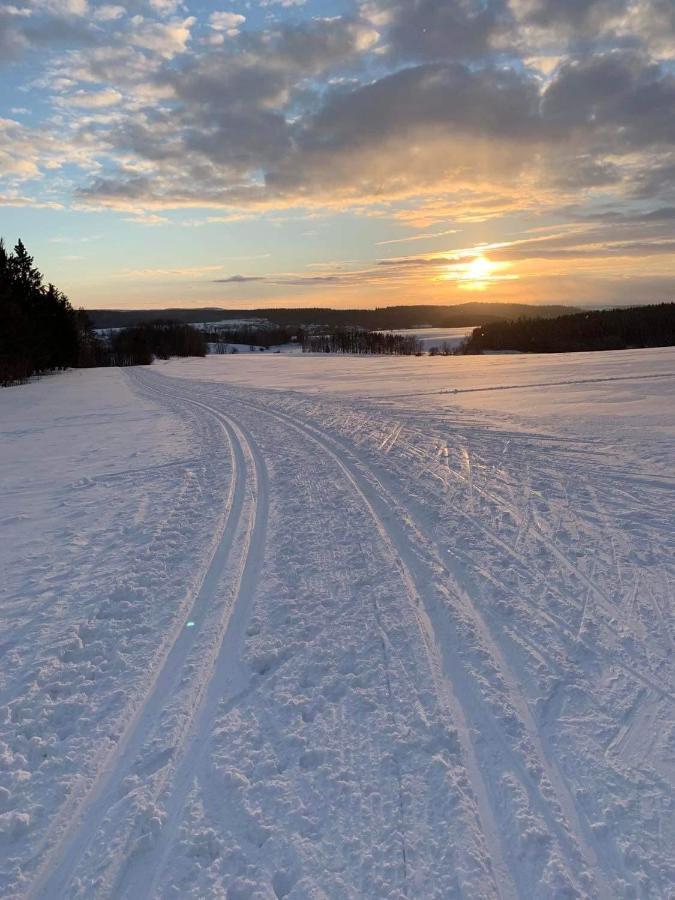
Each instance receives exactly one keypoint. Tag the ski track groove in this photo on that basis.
(505, 880)
(592, 588)
(177, 805)
(137, 868)
(87, 811)
(518, 387)
(415, 553)
(585, 842)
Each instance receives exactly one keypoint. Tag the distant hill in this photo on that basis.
(607, 329)
(463, 314)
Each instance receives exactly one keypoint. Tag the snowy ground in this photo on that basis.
(288, 626)
(430, 338)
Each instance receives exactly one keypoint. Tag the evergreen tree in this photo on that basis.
(38, 327)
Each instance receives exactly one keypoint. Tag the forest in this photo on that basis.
(254, 335)
(138, 346)
(609, 329)
(381, 318)
(354, 340)
(40, 332)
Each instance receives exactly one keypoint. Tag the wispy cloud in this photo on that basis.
(489, 116)
(417, 237)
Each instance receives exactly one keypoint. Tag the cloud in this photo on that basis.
(109, 12)
(435, 30)
(166, 39)
(26, 153)
(571, 14)
(417, 237)
(435, 113)
(228, 22)
(93, 99)
(170, 272)
(238, 279)
(619, 95)
(248, 127)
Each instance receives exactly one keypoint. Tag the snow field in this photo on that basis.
(431, 650)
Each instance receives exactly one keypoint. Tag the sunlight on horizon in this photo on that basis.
(477, 274)
(187, 155)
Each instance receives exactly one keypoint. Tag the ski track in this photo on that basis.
(132, 882)
(453, 683)
(100, 795)
(502, 724)
(574, 818)
(139, 875)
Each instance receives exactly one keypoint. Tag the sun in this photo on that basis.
(473, 271)
(478, 270)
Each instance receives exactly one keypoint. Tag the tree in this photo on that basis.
(38, 327)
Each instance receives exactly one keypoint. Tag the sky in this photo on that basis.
(331, 152)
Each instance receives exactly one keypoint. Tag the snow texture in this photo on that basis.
(297, 627)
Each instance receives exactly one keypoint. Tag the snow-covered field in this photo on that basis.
(286, 626)
(430, 338)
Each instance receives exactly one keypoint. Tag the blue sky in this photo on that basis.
(158, 152)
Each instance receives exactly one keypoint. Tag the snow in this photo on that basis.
(297, 626)
(436, 337)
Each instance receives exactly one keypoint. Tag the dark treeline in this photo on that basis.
(254, 336)
(385, 318)
(611, 329)
(353, 340)
(138, 346)
(40, 331)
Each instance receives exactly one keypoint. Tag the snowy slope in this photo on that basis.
(296, 627)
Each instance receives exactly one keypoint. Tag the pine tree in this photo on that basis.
(38, 327)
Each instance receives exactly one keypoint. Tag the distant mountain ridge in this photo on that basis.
(455, 316)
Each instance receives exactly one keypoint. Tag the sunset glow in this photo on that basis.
(337, 442)
(333, 152)
(477, 273)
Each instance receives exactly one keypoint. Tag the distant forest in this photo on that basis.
(354, 340)
(138, 346)
(254, 335)
(40, 331)
(610, 329)
(388, 317)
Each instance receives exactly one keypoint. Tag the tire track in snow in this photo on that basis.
(563, 796)
(82, 817)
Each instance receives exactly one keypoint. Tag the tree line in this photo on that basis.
(39, 329)
(608, 329)
(40, 332)
(354, 340)
(138, 346)
(380, 318)
(254, 335)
